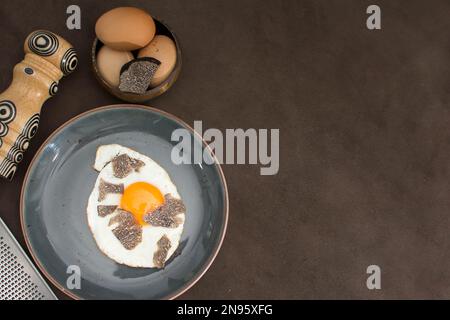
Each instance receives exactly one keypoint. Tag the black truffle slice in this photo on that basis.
(105, 187)
(160, 256)
(128, 232)
(123, 165)
(135, 76)
(104, 211)
(166, 215)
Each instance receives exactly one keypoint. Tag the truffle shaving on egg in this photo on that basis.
(166, 215)
(160, 256)
(128, 232)
(123, 165)
(106, 188)
(134, 211)
(104, 211)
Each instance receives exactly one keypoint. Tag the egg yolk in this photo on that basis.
(140, 198)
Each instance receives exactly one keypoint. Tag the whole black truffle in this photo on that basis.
(135, 76)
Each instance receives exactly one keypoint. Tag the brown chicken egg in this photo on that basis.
(163, 49)
(110, 61)
(125, 28)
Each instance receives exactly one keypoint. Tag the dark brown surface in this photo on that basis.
(365, 141)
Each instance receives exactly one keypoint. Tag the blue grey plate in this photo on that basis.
(60, 179)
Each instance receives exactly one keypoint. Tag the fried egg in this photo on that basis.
(134, 211)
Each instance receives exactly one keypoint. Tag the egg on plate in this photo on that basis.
(134, 211)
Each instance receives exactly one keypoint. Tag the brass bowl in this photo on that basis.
(161, 29)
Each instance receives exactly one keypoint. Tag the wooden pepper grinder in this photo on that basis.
(48, 58)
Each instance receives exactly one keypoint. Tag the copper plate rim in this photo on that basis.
(210, 260)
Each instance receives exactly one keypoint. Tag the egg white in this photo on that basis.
(142, 254)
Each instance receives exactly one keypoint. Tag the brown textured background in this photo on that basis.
(365, 139)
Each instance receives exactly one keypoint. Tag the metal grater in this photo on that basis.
(19, 279)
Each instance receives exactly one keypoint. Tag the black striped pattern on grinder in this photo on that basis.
(53, 90)
(8, 166)
(7, 169)
(7, 115)
(43, 43)
(69, 61)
